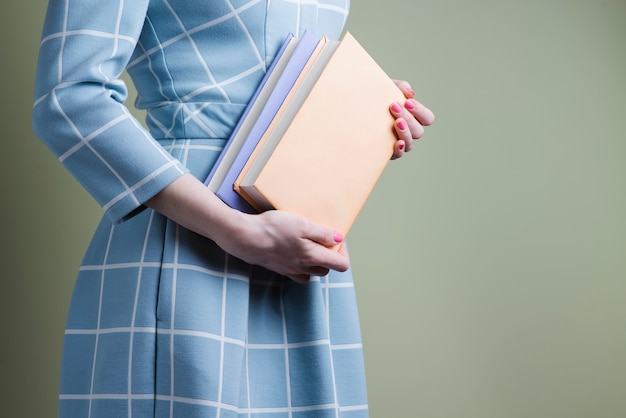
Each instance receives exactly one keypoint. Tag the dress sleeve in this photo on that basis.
(79, 110)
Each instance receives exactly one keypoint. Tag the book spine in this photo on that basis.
(298, 60)
(254, 98)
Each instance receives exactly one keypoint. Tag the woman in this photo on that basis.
(184, 306)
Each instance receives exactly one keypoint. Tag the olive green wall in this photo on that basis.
(490, 262)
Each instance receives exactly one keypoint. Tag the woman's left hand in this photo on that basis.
(411, 117)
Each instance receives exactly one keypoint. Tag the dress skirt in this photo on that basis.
(163, 323)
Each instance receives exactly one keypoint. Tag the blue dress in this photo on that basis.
(162, 322)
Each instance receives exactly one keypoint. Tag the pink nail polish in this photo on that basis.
(396, 108)
(409, 104)
(401, 146)
(401, 125)
(410, 92)
(338, 237)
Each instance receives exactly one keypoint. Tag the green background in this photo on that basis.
(490, 262)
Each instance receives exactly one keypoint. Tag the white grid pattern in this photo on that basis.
(162, 322)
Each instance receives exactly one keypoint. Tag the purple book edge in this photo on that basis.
(296, 64)
(247, 109)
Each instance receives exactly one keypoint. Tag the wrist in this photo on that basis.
(190, 204)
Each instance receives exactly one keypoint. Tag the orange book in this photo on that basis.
(334, 148)
(309, 73)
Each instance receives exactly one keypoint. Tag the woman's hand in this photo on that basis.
(279, 241)
(287, 244)
(411, 117)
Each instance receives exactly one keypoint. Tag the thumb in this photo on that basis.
(328, 253)
(326, 236)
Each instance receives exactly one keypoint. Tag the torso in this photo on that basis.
(196, 72)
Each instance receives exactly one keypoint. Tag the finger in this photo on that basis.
(405, 140)
(319, 271)
(343, 249)
(424, 115)
(308, 272)
(321, 235)
(405, 87)
(414, 127)
(398, 149)
(329, 259)
(320, 254)
(300, 278)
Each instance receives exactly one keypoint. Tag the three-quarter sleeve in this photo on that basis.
(79, 110)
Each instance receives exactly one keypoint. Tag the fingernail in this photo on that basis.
(401, 125)
(401, 146)
(409, 104)
(396, 108)
(338, 237)
(410, 92)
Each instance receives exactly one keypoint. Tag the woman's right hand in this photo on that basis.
(287, 244)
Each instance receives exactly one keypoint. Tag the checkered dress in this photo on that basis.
(162, 322)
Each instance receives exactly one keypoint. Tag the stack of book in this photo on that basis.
(315, 137)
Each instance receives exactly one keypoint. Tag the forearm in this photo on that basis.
(287, 244)
(190, 204)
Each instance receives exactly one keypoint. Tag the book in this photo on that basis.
(276, 85)
(329, 147)
(250, 114)
(292, 102)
